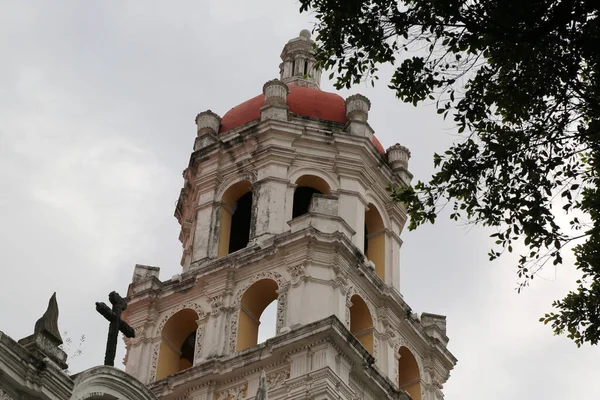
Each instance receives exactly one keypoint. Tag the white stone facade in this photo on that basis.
(316, 264)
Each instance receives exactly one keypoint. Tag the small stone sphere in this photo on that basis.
(305, 33)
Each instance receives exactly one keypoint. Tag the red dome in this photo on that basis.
(378, 145)
(301, 101)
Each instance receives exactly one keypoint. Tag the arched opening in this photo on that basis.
(268, 323)
(254, 302)
(307, 186)
(178, 343)
(374, 244)
(236, 216)
(409, 378)
(361, 322)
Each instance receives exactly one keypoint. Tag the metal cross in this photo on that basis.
(116, 324)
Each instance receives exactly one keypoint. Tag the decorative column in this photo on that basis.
(398, 157)
(208, 124)
(269, 198)
(205, 238)
(357, 114)
(215, 327)
(201, 322)
(275, 106)
(352, 207)
(282, 296)
(395, 243)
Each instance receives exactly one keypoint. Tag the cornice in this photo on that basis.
(234, 369)
(31, 373)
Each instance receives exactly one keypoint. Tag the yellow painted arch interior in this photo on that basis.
(228, 204)
(361, 322)
(375, 231)
(174, 333)
(314, 182)
(254, 301)
(409, 378)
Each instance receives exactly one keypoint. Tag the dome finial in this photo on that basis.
(299, 66)
(305, 33)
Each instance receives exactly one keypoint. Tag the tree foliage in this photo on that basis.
(521, 80)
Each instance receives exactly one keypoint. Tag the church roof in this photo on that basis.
(301, 101)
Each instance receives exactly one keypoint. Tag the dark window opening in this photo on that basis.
(302, 197)
(188, 347)
(293, 67)
(366, 241)
(240, 223)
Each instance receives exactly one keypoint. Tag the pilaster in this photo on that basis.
(203, 232)
(269, 210)
(352, 210)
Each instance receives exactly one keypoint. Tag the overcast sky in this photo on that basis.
(97, 108)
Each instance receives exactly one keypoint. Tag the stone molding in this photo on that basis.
(298, 273)
(297, 171)
(101, 381)
(172, 311)
(153, 362)
(222, 188)
(4, 395)
(235, 393)
(199, 341)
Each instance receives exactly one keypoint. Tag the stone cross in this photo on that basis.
(116, 324)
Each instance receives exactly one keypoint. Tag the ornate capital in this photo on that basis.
(216, 304)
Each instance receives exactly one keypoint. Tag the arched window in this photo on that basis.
(178, 343)
(307, 185)
(236, 215)
(361, 322)
(268, 323)
(409, 378)
(375, 240)
(254, 301)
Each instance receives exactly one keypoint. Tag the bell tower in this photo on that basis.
(298, 62)
(284, 200)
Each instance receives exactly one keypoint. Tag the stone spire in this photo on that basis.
(298, 62)
(263, 391)
(48, 324)
(46, 338)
